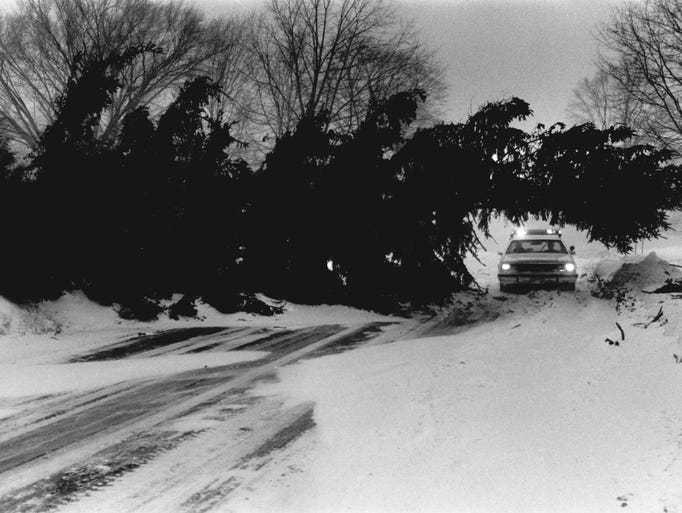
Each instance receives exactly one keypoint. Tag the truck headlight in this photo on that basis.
(505, 267)
(570, 267)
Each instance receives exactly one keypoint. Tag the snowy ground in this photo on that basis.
(531, 412)
(541, 406)
(39, 341)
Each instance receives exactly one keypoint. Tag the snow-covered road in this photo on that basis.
(532, 412)
(116, 409)
(549, 401)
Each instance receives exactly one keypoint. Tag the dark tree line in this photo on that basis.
(381, 215)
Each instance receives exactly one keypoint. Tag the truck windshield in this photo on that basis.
(536, 246)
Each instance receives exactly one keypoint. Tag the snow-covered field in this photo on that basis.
(545, 406)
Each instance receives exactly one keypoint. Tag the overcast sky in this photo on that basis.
(534, 49)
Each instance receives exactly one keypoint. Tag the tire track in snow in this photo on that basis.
(69, 440)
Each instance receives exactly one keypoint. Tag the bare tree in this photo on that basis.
(643, 44)
(40, 40)
(334, 55)
(227, 69)
(606, 102)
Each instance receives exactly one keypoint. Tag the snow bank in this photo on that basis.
(74, 312)
(294, 315)
(55, 331)
(16, 320)
(648, 272)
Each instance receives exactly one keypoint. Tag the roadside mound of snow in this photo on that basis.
(648, 272)
(75, 312)
(294, 315)
(604, 268)
(16, 320)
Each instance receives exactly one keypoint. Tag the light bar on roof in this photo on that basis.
(522, 232)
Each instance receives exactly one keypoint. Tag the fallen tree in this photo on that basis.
(378, 217)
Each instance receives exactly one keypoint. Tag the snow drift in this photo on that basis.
(16, 320)
(648, 272)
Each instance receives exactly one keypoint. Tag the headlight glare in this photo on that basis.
(505, 267)
(570, 267)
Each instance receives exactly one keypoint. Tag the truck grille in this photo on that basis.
(538, 268)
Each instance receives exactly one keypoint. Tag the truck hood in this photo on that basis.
(540, 258)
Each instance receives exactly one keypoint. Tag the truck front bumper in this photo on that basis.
(537, 279)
